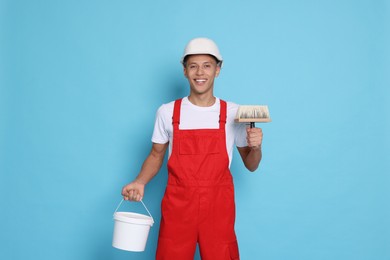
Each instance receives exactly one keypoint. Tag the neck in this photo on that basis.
(202, 101)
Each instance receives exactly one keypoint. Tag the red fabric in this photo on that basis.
(198, 205)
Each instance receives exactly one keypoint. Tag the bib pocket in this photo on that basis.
(200, 144)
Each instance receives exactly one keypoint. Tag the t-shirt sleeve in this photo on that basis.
(240, 136)
(160, 133)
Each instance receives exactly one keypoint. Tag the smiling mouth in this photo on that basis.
(200, 80)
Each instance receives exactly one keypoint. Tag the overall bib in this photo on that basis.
(198, 205)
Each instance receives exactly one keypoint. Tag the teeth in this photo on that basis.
(200, 80)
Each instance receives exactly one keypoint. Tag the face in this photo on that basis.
(201, 70)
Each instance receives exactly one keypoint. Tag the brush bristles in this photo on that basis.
(253, 114)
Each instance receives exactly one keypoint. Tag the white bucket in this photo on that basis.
(131, 230)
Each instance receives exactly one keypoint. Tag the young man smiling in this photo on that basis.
(200, 134)
(201, 70)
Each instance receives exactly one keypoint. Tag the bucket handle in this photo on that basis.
(120, 203)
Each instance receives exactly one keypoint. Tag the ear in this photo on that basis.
(217, 71)
(185, 71)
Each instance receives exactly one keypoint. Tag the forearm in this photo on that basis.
(253, 158)
(152, 164)
(135, 190)
(149, 169)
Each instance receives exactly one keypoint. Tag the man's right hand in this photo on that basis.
(133, 191)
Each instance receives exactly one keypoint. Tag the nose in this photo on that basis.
(199, 71)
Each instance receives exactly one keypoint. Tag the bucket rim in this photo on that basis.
(133, 218)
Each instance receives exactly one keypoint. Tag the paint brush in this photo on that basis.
(252, 114)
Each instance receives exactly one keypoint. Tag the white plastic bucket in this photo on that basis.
(131, 230)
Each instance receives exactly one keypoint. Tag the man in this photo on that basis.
(198, 205)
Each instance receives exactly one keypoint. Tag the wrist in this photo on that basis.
(256, 148)
(138, 181)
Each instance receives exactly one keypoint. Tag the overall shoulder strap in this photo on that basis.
(222, 114)
(176, 114)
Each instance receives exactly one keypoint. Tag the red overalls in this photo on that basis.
(198, 205)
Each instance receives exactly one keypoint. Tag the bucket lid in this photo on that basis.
(134, 218)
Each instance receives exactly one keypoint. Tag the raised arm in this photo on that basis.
(135, 190)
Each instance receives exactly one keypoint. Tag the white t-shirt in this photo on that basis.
(195, 117)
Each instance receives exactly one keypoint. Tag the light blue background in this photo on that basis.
(80, 84)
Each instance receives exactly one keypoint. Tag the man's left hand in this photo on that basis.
(254, 137)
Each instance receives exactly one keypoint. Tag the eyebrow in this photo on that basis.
(206, 62)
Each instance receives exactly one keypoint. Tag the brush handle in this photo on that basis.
(252, 125)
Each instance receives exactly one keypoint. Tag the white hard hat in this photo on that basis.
(202, 46)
